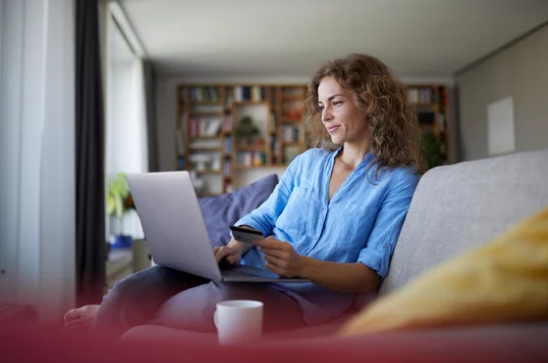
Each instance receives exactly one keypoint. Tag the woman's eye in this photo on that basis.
(337, 103)
(320, 107)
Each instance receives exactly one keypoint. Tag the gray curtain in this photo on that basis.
(90, 178)
(150, 96)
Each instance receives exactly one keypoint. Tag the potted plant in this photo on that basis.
(430, 151)
(246, 132)
(119, 201)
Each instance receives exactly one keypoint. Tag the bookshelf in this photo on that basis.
(208, 139)
(208, 117)
(433, 112)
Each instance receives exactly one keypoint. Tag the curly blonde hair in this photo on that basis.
(393, 125)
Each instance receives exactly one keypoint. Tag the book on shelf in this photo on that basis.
(227, 168)
(204, 126)
(181, 162)
(249, 93)
(251, 158)
(421, 95)
(291, 133)
(201, 94)
(273, 143)
(441, 122)
(258, 94)
(228, 145)
(227, 122)
(272, 121)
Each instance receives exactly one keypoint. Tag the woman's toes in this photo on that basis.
(73, 314)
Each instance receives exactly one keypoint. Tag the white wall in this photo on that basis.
(166, 95)
(37, 224)
(520, 72)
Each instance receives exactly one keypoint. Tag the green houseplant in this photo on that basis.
(430, 151)
(246, 132)
(119, 201)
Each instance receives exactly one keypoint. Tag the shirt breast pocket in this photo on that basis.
(359, 221)
(294, 217)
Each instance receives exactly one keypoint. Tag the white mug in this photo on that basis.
(239, 321)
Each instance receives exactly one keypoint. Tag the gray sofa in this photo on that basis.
(455, 208)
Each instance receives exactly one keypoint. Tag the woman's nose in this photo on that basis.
(326, 114)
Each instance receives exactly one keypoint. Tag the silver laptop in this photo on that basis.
(176, 233)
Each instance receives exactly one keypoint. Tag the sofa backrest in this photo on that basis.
(463, 206)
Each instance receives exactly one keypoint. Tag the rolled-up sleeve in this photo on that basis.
(382, 240)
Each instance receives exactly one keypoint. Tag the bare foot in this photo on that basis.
(81, 318)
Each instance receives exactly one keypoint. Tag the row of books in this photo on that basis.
(291, 133)
(200, 94)
(251, 158)
(204, 126)
(421, 95)
(249, 93)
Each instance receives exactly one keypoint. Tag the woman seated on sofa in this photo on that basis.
(334, 217)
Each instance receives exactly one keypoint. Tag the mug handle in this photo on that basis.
(215, 320)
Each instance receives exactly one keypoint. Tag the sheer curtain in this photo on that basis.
(37, 159)
(126, 146)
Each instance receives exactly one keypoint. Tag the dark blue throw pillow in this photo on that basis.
(221, 211)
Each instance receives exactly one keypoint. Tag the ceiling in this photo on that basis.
(417, 38)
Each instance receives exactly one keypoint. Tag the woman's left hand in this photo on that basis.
(280, 257)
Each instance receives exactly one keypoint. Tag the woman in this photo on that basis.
(334, 218)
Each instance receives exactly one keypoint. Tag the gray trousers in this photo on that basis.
(163, 296)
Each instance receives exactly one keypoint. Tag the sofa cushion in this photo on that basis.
(460, 207)
(505, 281)
(221, 211)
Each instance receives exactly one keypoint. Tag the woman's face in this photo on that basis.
(343, 119)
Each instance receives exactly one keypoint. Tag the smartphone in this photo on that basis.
(245, 234)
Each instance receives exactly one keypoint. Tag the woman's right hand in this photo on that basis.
(230, 254)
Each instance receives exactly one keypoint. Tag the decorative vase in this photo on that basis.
(121, 241)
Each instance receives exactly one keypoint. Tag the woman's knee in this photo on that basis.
(135, 283)
(237, 291)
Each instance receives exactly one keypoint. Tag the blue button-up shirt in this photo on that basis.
(360, 223)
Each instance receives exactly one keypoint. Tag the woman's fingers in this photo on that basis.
(275, 253)
(224, 252)
(275, 261)
(233, 260)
